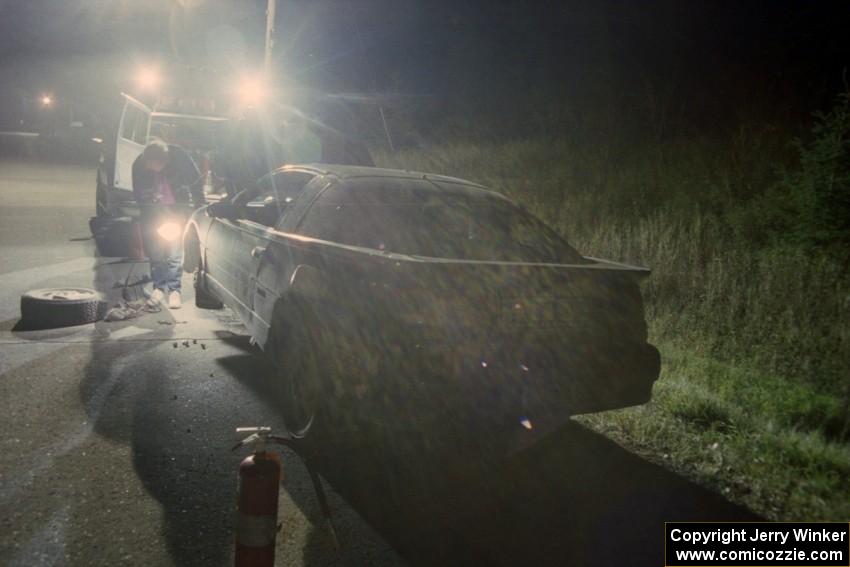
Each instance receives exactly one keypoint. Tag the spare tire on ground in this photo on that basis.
(61, 307)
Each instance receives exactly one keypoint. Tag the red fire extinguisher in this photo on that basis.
(260, 475)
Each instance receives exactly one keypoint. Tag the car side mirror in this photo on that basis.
(222, 210)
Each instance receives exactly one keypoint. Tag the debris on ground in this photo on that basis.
(130, 310)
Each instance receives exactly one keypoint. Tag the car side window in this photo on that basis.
(263, 208)
(288, 184)
(319, 221)
(273, 196)
(337, 216)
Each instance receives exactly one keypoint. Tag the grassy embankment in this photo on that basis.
(751, 315)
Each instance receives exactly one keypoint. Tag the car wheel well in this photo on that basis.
(280, 320)
(192, 257)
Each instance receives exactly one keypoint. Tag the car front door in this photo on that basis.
(238, 247)
(272, 257)
(233, 247)
(130, 143)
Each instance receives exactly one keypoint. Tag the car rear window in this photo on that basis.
(445, 220)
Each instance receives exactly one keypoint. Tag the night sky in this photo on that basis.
(791, 52)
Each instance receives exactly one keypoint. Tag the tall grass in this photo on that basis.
(678, 210)
(768, 317)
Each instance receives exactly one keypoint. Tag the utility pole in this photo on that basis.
(386, 129)
(270, 16)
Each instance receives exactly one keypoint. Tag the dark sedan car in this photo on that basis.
(408, 297)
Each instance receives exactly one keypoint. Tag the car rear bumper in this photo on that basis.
(469, 393)
(566, 382)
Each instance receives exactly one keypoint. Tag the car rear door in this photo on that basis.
(131, 140)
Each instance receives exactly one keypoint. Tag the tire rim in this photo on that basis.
(66, 294)
(303, 398)
(300, 396)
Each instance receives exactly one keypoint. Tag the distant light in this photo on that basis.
(46, 100)
(148, 79)
(252, 91)
(526, 423)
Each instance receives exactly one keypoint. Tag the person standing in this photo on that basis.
(160, 221)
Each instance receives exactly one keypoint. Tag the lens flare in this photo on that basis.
(148, 78)
(169, 231)
(252, 91)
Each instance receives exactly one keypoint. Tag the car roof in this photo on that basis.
(344, 172)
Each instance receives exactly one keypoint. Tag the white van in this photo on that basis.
(139, 124)
(247, 148)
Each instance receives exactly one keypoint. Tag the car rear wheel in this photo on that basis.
(298, 379)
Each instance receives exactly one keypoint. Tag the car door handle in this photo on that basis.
(257, 252)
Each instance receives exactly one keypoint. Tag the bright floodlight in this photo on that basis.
(46, 100)
(252, 91)
(148, 79)
(169, 231)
